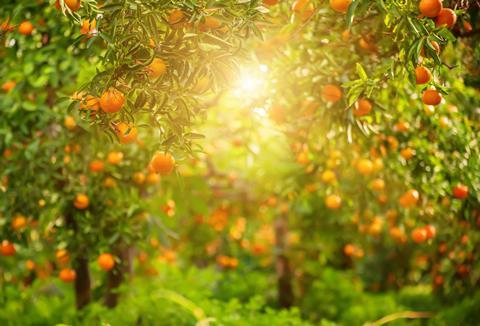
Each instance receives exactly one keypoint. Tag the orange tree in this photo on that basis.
(345, 82)
(56, 178)
(90, 205)
(159, 57)
(155, 58)
(27, 117)
(387, 185)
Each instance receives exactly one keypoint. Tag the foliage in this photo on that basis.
(192, 301)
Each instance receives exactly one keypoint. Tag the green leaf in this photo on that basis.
(361, 72)
(193, 135)
(351, 12)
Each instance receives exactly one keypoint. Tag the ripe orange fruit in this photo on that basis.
(69, 122)
(349, 249)
(335, 153)
(463, 270)
(277, 113)
(328, 177)
(302, 157)
(25, 28)
(431, 231)
(89, 102)
(162, 163)
(446, 17)
(422, 75)
(434, 44)
(210, 23)
(139, 178)
(419, 235)
(367, 44)
(402, 126)
(6, 27)
(62, 256)
(67, 275)
(430, 8)
(223, 261)
(270, 2)
(201, 86)
(30, 265)
(378, 184)
(106, 262)
(410, 198)
(88, 27)
(112, 100)
(346, 35)
(157, 68)
(151, 43)
(340, 5)
(438, 280)
(365, 166)
(152, 178)
(331, 93)
(81, 201)
(444, 122)
(467, 27)
(303, 8)
(333, 201)
(109, 182)
(227, 262)
(114, 158)
(362, 107)
(460, 191)
(407, 153)
(382, 199)
(397, 234)
(7, 248)
(97, 166)
(19, 222)
(431, 97)
(73, 5)
(126, 133)
(176, 17)
(377, 164)
(442, 248)
(8, 85)
(311, 187)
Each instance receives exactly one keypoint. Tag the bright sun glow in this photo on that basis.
(251, 87)
(251, 82)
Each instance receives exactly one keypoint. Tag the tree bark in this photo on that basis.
(82, 282)
(82, 272)
(117, 275)
(283, 269)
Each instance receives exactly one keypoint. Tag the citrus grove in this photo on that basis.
(307, 162)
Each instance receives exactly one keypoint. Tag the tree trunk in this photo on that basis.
(80, 264)
(82, 282)
(117, 275)
(284, 272)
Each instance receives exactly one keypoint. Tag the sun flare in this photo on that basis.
(251, 83)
